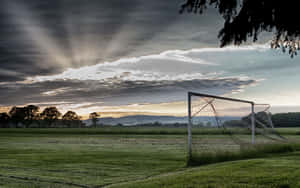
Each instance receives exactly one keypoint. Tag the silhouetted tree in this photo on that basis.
(25, 115)
(17, 115)
(291, 119)
(94, 117)
(4, 120)
(50, 115)
(248, 18)
(70, 118)
(31, 114)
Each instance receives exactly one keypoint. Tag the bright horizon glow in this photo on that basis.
(177, 109)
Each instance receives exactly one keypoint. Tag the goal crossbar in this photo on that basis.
(219, 97)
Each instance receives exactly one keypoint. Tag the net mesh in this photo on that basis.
(225, 125)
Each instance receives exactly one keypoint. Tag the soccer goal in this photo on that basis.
(217, 123)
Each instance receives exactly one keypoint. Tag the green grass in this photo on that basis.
(279, 171)
(135, 130)
(246, 152)
(130, 130)
(40, 160)
(97, 157)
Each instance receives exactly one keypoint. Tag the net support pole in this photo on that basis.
(253, 123)
(189, 127)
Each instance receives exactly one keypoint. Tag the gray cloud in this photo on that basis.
(115, 93)
(34, 34)
(164, 77)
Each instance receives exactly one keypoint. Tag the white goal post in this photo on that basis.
(209, 102)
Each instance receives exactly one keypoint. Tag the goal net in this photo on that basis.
(227, 124)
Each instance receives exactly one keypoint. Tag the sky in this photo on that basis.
(132, 57)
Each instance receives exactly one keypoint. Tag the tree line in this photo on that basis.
(291, 119)
(30, 117)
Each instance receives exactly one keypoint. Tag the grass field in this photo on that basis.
(130, 157)
(279, 171)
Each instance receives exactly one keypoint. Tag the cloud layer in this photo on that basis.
(151, 79)
(158, 78)
(45, 38)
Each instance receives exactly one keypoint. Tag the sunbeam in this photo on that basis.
(38, 34)
(141, 27)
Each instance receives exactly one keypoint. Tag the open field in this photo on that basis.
(110, 156)
(85, 159)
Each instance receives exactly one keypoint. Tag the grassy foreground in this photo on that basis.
(33, 158)
(80, 160)
(279, 171)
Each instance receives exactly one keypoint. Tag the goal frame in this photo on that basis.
(190, 94)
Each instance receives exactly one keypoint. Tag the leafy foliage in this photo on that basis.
(29, 117)
(248, 18)
(31, 114)
(50, 114)
(70, 118)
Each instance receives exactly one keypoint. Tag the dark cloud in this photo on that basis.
(114, 93)
(89, 32)
(49, 37)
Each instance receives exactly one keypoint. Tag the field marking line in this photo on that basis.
(146, 178)
(44, 181)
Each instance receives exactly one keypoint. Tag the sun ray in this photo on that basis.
(37, 33)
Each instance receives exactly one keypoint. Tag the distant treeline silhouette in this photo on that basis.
(31, 117)
(291, 119)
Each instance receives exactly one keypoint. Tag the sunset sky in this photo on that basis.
(132, 57)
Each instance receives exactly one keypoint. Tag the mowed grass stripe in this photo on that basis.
(92, 160)
(134, 130)
(280, 171)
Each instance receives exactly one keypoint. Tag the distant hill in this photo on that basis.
(147, 119)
